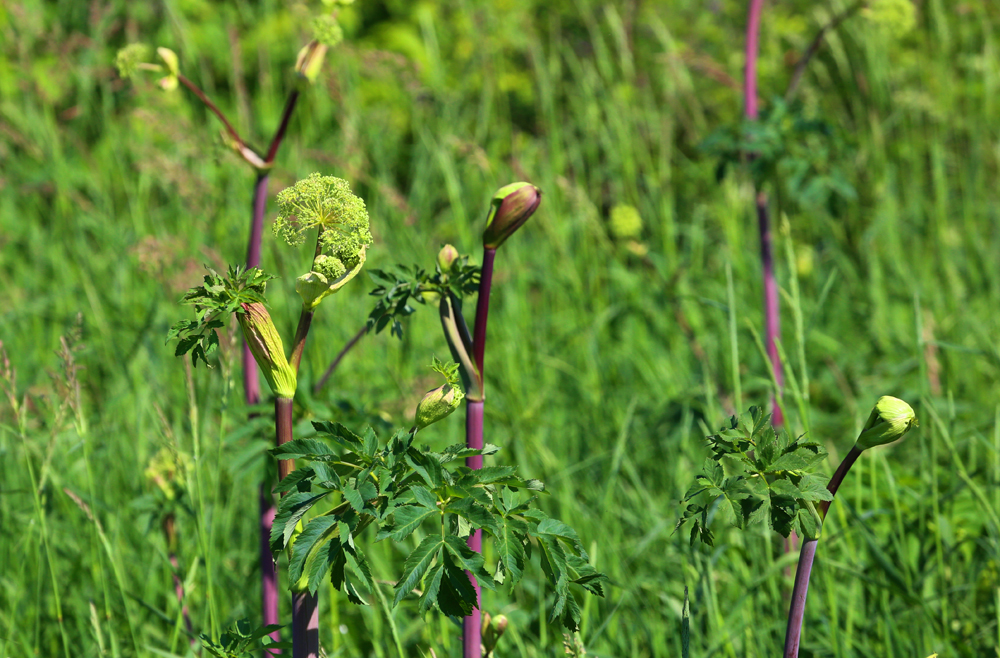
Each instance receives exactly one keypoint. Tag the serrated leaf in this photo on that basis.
(370, 442)
(476, 514)
(469, 560)
(291, 508)
(306, 541)
(424, 497)
(432, 587)
(416, 565)
(311, 449)
(408, 518)
(339, 434)
(428, 468)
(292, 480)
(813, 488)
(457, 597)
(559, 529)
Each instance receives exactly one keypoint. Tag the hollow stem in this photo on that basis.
(797, 609)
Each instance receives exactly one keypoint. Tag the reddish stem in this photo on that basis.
(215, 110)
(472, 625)
(482, 309)
(797, 609)
(279, 135)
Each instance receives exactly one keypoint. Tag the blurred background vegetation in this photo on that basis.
(626, 313)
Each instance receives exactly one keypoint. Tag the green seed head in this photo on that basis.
(890, 419)
(511, 207)
(440, 402)
(327, 30)
(265, 344)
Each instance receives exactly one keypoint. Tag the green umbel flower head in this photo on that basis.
(890, 419)
(440, 402)
(129, 58)
(325, 203)
(510, 208)
(268, 351)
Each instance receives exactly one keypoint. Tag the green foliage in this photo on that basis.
(757, 475)
(787, 149)
(214, 300)
(242, 639)
(398, 286)
(402, 490)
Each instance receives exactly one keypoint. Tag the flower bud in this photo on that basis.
(890, 419)
(446, 257)
(438, 403)
(328, 275)
(265, 344)
(511, 207)
(169, 57)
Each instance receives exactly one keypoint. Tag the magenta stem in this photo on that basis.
(483, 309)
(279, 134)
(797, 609)
(750, 72)
(772, 323)
(772, 316)
(472, 636)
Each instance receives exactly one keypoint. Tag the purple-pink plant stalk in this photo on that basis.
(251, 380)
(472, 625)
(772, 320)
(807, 554)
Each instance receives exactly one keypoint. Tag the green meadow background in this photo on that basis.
(611, 355)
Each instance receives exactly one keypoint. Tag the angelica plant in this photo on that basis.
(135, 59)
(756, 475)
(323, 204)
(510, 207)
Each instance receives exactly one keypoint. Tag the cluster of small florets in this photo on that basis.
(129, 58)
(327, 203)
(327, 30)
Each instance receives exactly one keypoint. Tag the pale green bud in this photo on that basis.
(890, 419)
(511, 207)
(310, 61)
(268, 351)
(169, 57)
(446, 257)
(328, 275)
(440, 402)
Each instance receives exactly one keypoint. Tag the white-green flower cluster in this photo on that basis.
(325, 203)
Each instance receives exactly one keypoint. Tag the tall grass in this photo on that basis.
(611, 362)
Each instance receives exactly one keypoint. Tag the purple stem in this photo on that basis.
(472, 637)
(796, 612)
(251, 391)
(771, 315)
(305, 625)
(483, 309)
